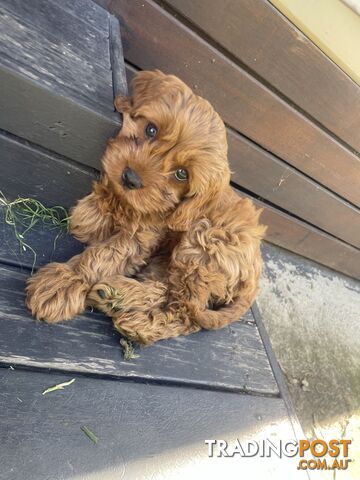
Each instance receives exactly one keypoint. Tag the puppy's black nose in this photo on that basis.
(131, 179)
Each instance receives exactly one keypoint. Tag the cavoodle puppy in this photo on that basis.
(171, 247)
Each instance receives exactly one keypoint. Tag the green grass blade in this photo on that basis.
(90, 434)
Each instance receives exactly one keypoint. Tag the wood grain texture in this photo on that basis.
(229, 359)
(57, 88)
(244, 103)
(86, 11)
(268, 177)
(117, 58)
(55, 122)
(52, 180)
(49, 245)
(263, 39)
(30, 171)
(144, 431)
(299, 237)
(57, 51)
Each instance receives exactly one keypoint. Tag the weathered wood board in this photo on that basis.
(45, 245)
(29, 171)
(144, 431)
(299, 237)
(57, 88)
(268, 177)
(229, 359)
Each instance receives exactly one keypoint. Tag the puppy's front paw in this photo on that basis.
(55, 293)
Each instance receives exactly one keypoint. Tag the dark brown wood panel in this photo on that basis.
(303, 239)
(263, 174)
(154, 39)
(264, 40)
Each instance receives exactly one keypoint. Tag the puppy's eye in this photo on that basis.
(181, 174)
(150, 131)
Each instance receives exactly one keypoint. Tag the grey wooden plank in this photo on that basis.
(53, 121)
(117, 58)
(53, 62)
(231, 359)
(144, 431)
(85, 10)
(57, 88)
(64, 29)
(29, 171)
(48, 245)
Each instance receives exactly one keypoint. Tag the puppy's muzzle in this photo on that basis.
(130, 179)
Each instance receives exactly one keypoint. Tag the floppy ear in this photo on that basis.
(198, 201)
(128, 126)
(122, 104)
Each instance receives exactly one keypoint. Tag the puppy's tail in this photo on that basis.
(214, 319)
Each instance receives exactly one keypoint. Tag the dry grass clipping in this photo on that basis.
(23, 214)
(128, 350)
(59, 386)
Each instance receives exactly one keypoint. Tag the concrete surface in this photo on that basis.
(312, 315)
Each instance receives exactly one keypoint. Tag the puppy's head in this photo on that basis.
(176, 146)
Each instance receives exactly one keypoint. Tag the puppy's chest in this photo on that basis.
(167, 242)
(151, 240)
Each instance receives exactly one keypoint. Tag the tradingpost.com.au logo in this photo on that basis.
(331, 455)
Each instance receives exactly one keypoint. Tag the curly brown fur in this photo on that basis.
(191, 247)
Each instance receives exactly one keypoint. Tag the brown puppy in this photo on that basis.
(171, 247)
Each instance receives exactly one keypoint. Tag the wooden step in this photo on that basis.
(56, 76)
(144, 431)
(231, 359)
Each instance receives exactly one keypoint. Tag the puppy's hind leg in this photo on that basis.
(120, 293)
(139, 310)
(153, 325)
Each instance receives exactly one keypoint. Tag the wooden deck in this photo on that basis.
(152, 414)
